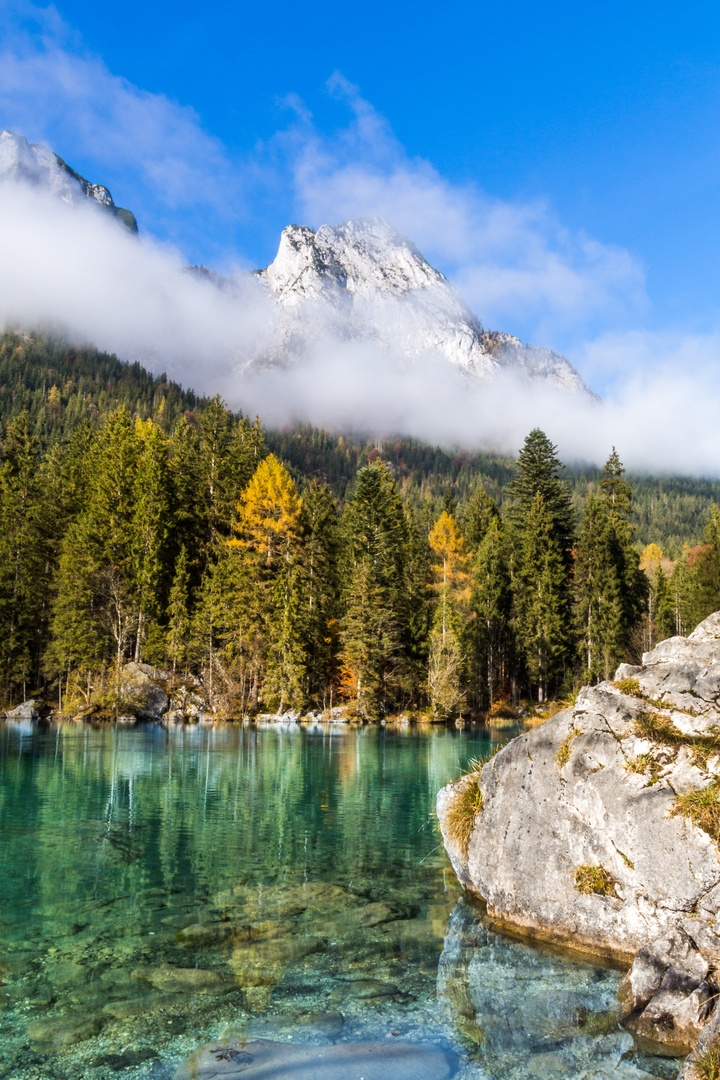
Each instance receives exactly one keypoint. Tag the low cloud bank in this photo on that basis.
(75, 269)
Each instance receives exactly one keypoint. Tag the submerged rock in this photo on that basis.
(583, 836)
(342, 1061)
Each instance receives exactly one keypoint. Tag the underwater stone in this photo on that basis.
(341, 1061)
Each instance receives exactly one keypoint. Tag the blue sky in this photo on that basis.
(559, 161)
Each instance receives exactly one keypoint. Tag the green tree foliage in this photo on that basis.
(540, 612)
(375, 600)
(140, 522)
(610, 589)
(492, 641)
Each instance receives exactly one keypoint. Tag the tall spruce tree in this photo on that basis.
(492, 641)
(542, 530)
(598, 601)
(540, 608)
(375, 533)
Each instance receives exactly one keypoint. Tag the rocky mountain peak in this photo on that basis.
(33, 163)
(366, 281)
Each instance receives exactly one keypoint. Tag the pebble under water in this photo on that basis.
(160, 888)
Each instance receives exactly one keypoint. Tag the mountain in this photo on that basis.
(37, 165)
(363, 281)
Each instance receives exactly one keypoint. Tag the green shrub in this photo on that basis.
(660, 729)
(631, 687)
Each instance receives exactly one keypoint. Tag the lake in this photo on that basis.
(160, 887)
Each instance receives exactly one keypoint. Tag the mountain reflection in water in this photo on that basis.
(162, 887)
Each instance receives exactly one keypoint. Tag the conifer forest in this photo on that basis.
(301, 570)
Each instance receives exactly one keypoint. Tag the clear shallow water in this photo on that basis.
(159, 888)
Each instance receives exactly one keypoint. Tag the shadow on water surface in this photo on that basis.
(161, 888)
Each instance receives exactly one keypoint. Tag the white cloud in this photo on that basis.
(76, 269)
(517, 267)
(53, 90)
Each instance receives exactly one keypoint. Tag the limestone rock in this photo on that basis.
(579, 838)
(54, 1033)
(342, 1061)
(142, 689)
(33, 709)
(168, 977)
(665, 998)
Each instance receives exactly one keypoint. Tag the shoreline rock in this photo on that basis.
(587, 834)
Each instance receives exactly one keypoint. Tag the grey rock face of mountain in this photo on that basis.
(363, 281)
(597, 787)
(35, 164)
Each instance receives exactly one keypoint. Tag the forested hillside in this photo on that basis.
(140, 521)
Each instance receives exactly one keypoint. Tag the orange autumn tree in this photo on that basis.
(269, 534)
(451, 583)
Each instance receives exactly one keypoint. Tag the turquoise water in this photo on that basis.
(162, 887)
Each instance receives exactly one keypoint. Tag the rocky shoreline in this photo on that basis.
(599, 830)
(144, 693)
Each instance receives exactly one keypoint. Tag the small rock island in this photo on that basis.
(599, 830)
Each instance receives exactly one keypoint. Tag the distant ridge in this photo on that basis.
(36, 164)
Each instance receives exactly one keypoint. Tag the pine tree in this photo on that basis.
(706, 570)
(597, 584)
(321, 585)
(538, 474)
(480, 514)
(541, 514)
(374, 656)
(540, 613)
(491, 602)
(149, 567)
(179, 621)
(617, 500)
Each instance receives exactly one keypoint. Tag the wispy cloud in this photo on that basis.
(519, 268)
(514, 262)
(74, 269)
(152, 151)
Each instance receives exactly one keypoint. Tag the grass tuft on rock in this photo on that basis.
(706, 1065)
(631, 687)
(660, 729)
(644, 763)
(703, 809)
(594, 879)
(563, 755)
(466, 804)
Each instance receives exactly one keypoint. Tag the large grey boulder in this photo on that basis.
(143, 691)
(33, 709)
(581, 837)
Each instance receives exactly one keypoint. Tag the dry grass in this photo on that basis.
(660, 729)
(703, 809)
(631, 687)
(563, 755)
(594, 880)
(466, 804)
(706, 1065)
(644, 763)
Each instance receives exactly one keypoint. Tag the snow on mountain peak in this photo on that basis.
(363, 280)
(35, 164)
